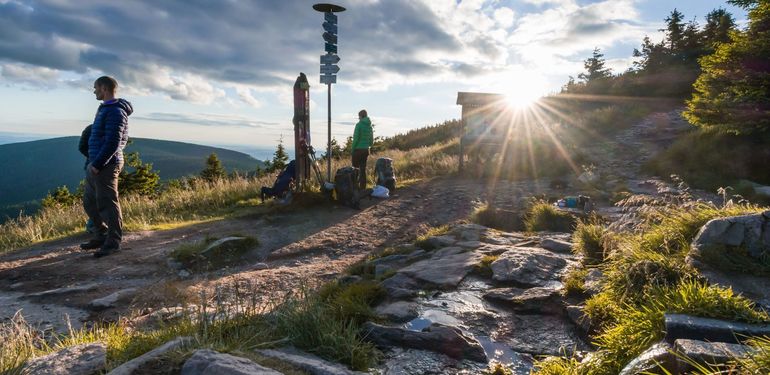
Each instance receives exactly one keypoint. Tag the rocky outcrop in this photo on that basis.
(438, 338)
(530, 266)
(532, 300)
(209, 362)
(86, 359)
(307, 362)
(750, 233)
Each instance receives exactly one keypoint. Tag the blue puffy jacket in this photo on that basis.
(109, 133)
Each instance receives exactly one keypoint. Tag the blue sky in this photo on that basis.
(221, 72)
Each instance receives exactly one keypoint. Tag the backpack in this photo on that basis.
(281, 184)
(383, 169)
(346, 186)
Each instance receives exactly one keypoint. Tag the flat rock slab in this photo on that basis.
(133, 366)
(557, 246)
(398, 312)
(442, 339)
(43, 315)
(110, 300)
(707, 353)
(531, 266)
(401, 286)
(680, 326)
(86, 359)
(308, 362)
(65, 290)
(539, 335)
(533, 300)
(445, 269)
(438, 242)
(209, 362)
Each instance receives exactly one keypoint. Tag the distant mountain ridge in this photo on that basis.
(31, 169)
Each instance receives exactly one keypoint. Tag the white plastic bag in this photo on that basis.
(380, 191)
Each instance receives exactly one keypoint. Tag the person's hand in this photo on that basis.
(93, 169)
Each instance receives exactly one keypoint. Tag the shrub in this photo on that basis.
(543, 216)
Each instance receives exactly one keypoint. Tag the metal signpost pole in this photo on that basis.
(328, 69)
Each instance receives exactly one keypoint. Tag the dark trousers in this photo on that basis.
(100, 201)
(359, 161)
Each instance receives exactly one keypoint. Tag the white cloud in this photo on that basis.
(504, 16)
(36, 76)
(244, 93)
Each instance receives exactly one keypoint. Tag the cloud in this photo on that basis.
(204, 119)
(35, 76)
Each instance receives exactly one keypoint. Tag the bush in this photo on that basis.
(543, 216)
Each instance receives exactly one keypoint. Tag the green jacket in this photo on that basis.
(363, 136)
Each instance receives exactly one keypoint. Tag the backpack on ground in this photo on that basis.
(346, 186)
(281, 184)
(383, 169)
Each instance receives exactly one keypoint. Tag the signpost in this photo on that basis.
(329, 67)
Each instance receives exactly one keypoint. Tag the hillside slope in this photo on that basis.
(31, 169)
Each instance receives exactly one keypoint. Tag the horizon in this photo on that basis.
(204, 83)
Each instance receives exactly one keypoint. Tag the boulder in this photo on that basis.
(681, 326)
(651, 360)
(536, 300)
(749, 232)
(557, 246)
(135, 365)
(398, 312)
(450, 341)
(529, 266)
(707, 354)
(209, 362)
(86, 359)
(307, 362)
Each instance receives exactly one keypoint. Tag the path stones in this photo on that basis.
(533, 300)
(307, 362)
(445, 269)
(438, 338)
(558, 246)
(528, 266)
(540, 334)
(86, 359)
(680, 326)
(398, 312)
(209, 362)
(110, 300)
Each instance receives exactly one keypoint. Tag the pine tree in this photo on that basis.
(214, 170)
(595, 69)
(674, 30)
(719, 24)
(280, 157)
(142, 180)
(732, 94)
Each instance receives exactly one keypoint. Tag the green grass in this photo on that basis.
(422, 241)
(574, 281)
(587, 241)
(484, 267)
(543, 216)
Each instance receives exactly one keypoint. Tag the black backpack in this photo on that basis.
(383, 168)
(346, 186)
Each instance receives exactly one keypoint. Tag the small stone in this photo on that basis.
(110, 300)
(439, 338)
(307, 362)
(398, 312)
(260, 266)
(209, 362)
(174, 264)
(650, 360)
(438, 242)
(558, 246)
(183, 274)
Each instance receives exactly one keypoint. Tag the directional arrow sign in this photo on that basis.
(330, 38)
(330, 17)
(329, 69)
(329, 59)
(331, 48)
(328, 78)
(330, 27)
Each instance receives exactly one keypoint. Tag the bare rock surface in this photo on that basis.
(707, 353)
(532, 300)
(110, 300)
(398, 312)
(681, 326)
(209, 362)
(86, 359)
(445, 269)
(442, 339)
(531, 266)
(307, 362)
(539, 334)
(557, 246)
(133, 366)
(650, 360)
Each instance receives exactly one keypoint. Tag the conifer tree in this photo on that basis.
(60, 197)
(214, 170)
(280, 157)
(719, 24)
(732, 94)
(595, 69)
(142, 180)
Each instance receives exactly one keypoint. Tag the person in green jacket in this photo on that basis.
(363, 138)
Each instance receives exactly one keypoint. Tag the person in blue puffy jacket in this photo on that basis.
(109, 135)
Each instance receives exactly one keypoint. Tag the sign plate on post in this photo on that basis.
(331, 48)
(329, 38)
(330, 27)
(330, 17)
(329, 69)
(328, 79)
(330, 59)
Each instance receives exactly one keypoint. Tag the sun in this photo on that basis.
(521, 99)
(521, 87)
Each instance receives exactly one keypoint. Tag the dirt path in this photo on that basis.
(303, 246)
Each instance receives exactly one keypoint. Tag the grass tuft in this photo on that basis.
(423, 241)
(588, 241)
(543, 216)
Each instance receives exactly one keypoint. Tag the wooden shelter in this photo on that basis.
(484, 123)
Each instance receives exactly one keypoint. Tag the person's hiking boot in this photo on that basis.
(93, 243)
(107, 249)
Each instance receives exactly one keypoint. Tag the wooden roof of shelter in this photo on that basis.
(478, 98)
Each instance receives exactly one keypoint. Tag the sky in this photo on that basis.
(221, 72)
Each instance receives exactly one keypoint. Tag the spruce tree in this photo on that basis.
(595, 69)
(280, 157)
(719, 24)
(60, 197)
(141, 180)
(732, 94)
(214, 170)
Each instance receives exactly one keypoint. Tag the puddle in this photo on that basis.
(501, 353)
(429, 317)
